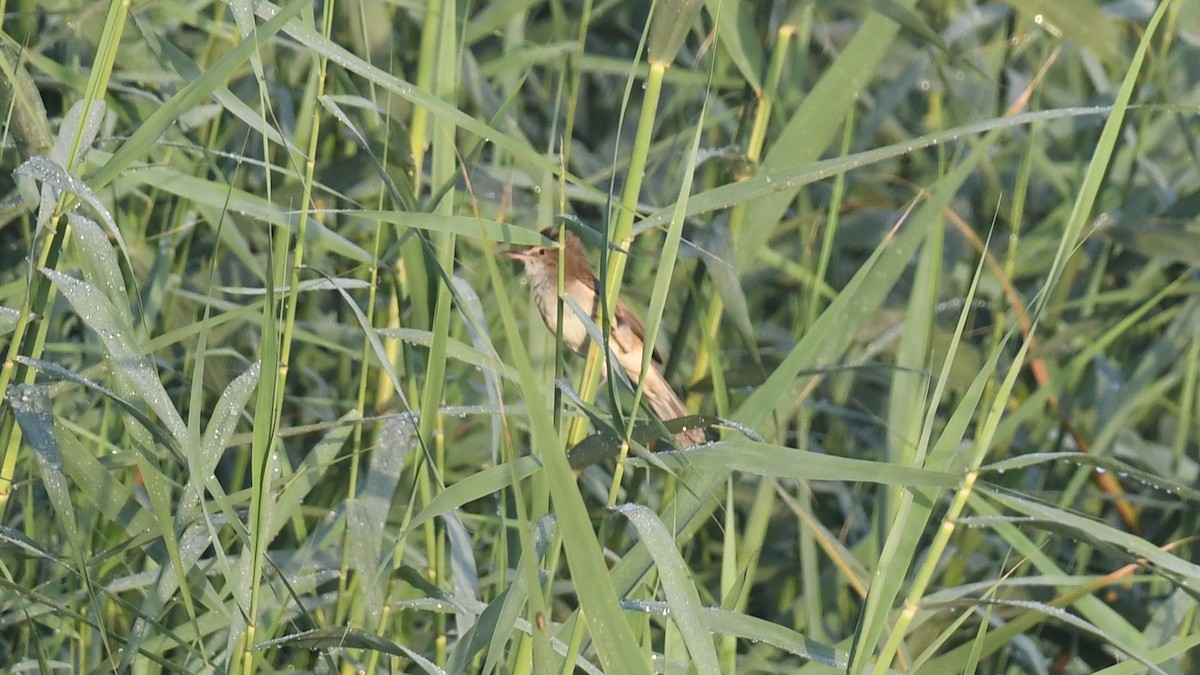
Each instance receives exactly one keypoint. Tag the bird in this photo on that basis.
(627, 338)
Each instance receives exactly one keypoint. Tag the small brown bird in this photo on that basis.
(627, 339)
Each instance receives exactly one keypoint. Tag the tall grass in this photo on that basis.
(274, 402)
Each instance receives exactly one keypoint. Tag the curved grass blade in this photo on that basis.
(334, 638)
(160, 433)
(678, 585)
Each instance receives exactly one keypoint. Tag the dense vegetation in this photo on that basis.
(273, 401)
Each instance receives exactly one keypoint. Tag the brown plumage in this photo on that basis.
(627, 339)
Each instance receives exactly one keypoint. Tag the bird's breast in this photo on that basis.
(574, 331)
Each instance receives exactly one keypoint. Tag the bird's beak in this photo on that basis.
(523, 256)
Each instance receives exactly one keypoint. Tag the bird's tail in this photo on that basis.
(668, 406)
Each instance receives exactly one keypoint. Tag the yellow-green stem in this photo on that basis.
(620, 234)
(940, 540)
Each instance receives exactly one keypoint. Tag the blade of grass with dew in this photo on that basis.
(312, 467)
(1063, 617)
(477, 486)
(248, 590)
(794, 176)
(757, 630)
(364, 513)
(778, 461)
(128, 361)
(99, 265)
(28, 124)
(33, 411)
(203, 459)
(57, 183)
(678, 585)
(337, 637)
(156, 431)
(1187, 573)
(1170, 485)
(464, 571)
(471, 306)
(455, 349)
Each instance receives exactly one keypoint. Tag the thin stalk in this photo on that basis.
(612, 263)
(443, 66)
(344, 594)
(263, 450)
